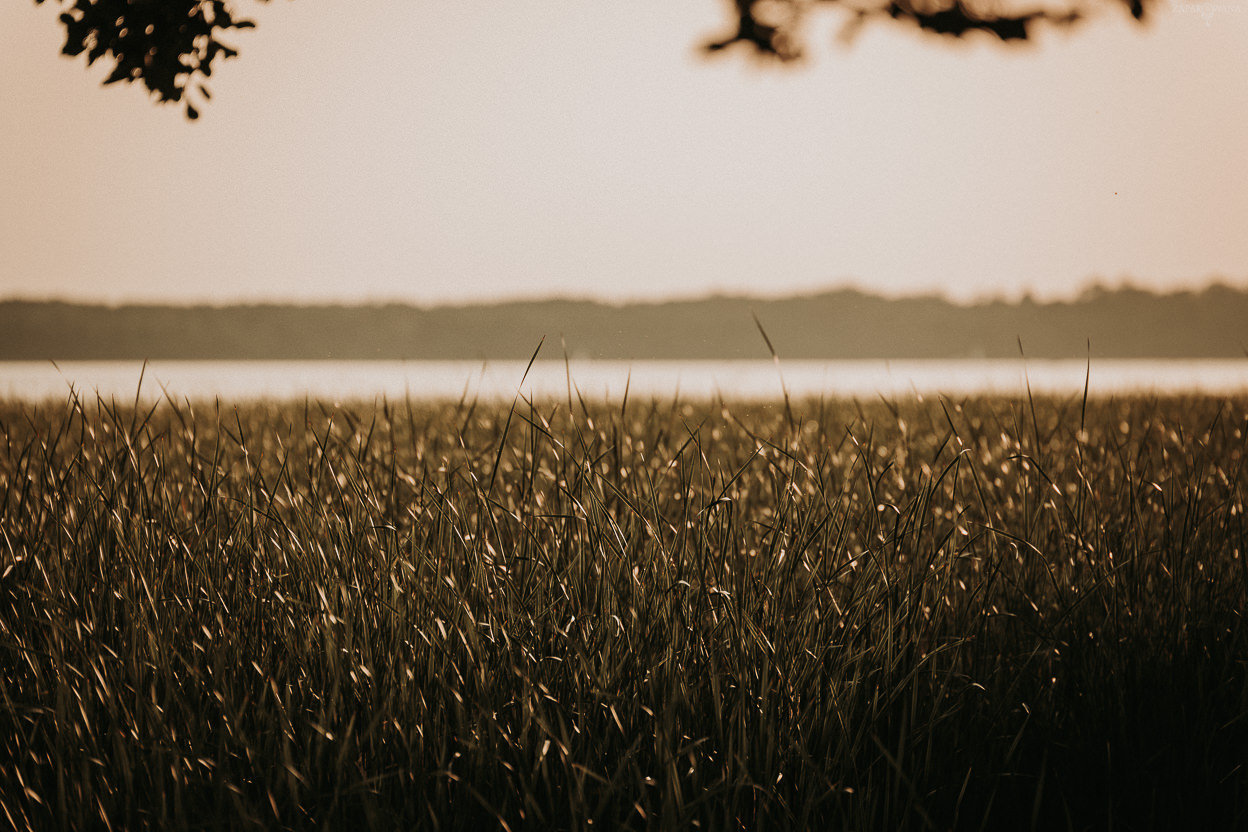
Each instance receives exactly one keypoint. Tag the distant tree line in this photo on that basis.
(840, 324)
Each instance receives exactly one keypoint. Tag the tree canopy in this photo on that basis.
(170, 45)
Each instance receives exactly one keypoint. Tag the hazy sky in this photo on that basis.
(451, 151)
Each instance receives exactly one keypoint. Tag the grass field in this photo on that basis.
(940, 614)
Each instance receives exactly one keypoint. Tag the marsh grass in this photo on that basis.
(987, 614)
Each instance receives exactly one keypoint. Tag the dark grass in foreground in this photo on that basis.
(919, 615)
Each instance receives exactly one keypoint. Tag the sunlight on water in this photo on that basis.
(734, 380)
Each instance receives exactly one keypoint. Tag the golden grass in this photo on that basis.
(894, 615)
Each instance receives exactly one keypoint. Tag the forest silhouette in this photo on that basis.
(840, 324)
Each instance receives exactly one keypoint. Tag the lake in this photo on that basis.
(501, 380)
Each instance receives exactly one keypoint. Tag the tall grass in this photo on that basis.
(987, 614)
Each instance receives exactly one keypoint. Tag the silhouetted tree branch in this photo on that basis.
(170, 45)
(772, 27)
(163, 43)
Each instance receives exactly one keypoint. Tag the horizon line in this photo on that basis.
(1088, 289)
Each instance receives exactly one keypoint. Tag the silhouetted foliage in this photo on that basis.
(163, 43)
(167, 43)
(772, 27)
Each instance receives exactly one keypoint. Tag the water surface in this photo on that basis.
(598, 380)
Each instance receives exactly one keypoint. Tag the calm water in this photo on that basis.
(734, 380)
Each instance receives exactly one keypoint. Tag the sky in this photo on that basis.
(468, 151)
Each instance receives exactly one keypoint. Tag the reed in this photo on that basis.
(894, 615)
